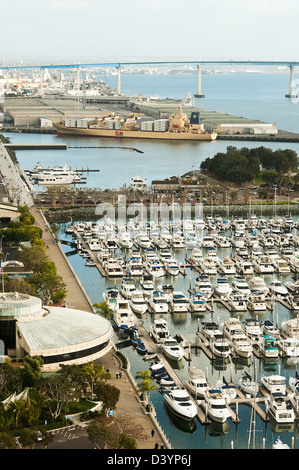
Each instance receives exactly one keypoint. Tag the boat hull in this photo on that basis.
(135, 134)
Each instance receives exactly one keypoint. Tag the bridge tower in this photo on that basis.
(291, 93)
(199, 93)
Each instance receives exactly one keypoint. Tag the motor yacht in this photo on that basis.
(147, 285)
(180, 404)
(197, 382)
(274, 383)
(219, 346)
(168, 290)
(113, 268)
(127, 287)
(289, 346)
(137, 302)
(111, 296)
(197, 303)
(210, 329)
(269, 328)
(179, 302)
(252, 329)
(143, 241)
(291, 327)
(268, 346)
(178, 242)
(257, 283)
(159, 330)
(208, 241)
(256, 301)
(232, 328)
(292, 286)
(215, 406)
(278, 289)
(226, 267)
(222, 288)
(172, 349)
(239, 283)
(125, 241)
(123, 315)
(262, 265)
(244, 266)
(237, 302)
(208, 266)
(203, 284)
(280, 408)
(238, 239)
(155, 268)
(172, 267)
(158, 302)
(281, 266)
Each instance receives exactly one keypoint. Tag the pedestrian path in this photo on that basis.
(77, 298)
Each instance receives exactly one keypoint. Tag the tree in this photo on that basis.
(104, 309)
(59, 394)
(107, 394)
(31, 371)
(7, 441)
(119, 432)
(27, 438)
(94, 373)
(146, 386)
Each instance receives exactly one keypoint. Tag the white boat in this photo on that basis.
(113, 268)
(143, 241)
(229, 391)
(222, 288)
(196, 256)
(252, 329)
(165, 255)
(167, 289)
(269, 328)
(203, 284)
(256, 302)
(147, 285)
(180, 404)
(111, 296)
(257, 283)
(127, 287)
(178, 242)
(277, 288)
(244, 266)
(274, 383)
(179, 302)
(232, 328)
(268, 346)
(125, 241)
(94, 244)
(238, 239)
(123, 315)
(237, 301)
(219, 346)
(208, 266)
(278, 444)
(197, 304)
(222, 241)
(172, 267)
(197, 382)
(248, 385)
(292, 286)
(158, 302)
(226, 266)
(281, 266)
(289, 346)
(294, 387)
(172, 349)
(137, 302)
(291, 327)
(208, 241)
(159, 330)
(239, 283)
(280, 408)
(138, 183)
(135, 266)
(263, 265)
(155, 268)
(210, 329)
(242, 347)
(215, 406)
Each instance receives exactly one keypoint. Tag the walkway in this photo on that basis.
(77, 298)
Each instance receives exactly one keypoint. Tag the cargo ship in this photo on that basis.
(177, 127)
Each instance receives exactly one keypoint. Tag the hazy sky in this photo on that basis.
(141, 29)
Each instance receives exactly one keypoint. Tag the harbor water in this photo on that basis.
(258, 96)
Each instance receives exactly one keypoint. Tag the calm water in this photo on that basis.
(249, 95)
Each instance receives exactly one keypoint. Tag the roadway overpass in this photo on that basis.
(198, 63)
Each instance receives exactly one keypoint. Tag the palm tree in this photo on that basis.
(104, 309)
(146, 386)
